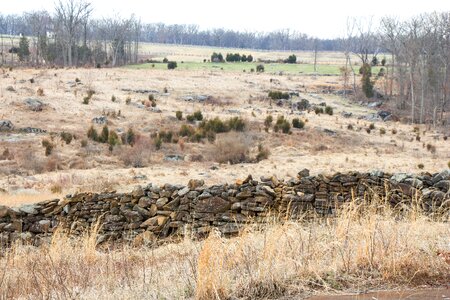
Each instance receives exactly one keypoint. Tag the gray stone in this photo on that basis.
(6, 125)
(399, 177)
(34, 104)
(100, 120)
(138, 192)
(30, 209)
(145, 202)
(443, 185)
(183, 191)
(161, 202)
(303, 173)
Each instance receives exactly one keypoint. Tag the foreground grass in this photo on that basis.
(356, 251)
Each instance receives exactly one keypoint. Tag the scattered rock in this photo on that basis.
(34, 104)
(174, 157)
(6, 125)
(100, 120)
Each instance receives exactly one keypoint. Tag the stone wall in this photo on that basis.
(152, 212)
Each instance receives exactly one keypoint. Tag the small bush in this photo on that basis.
(431, 148)
(179, 115)
(77, 80)
(329, 110)
(297, 123)
(158, 143)
(92, 134)
(260, 68)
(172, 65)
(236, 124)
(263, 153)
(283, 125)
(420, 166)
(84, 143)
(418, 138)
(268, 121)
(40, 92)
(292, 59)
(368, 130)
(394, 131)
(86, 100)
(130, 138)
(113, 98)
(382, 131)
(198, 115)
(318, 110)
(113, 139)
(186, 130)
(48, 147)
(190, 118)
(103, 138)
(372, 126)
(350, 127)
(275, 95)
(166, 137)
(165, 60)
(66, 137)
(128, 100)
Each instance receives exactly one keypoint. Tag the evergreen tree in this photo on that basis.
(24, 49)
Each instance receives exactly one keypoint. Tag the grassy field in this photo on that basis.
(247, 67)
(307, 69)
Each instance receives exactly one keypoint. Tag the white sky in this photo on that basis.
(321, 18)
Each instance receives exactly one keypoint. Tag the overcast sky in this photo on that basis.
(321, 18)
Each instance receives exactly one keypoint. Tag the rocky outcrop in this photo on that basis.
(152, 212)
(6, 125)
(34, 104)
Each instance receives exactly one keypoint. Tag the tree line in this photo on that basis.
(415, 64)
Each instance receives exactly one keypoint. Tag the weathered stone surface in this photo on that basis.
(34, 104)
(183, 191)
(145, 202)
(161, 202)
(6, 125)
(138, 192)
(212, 205)
(40, 226)
(30, 209)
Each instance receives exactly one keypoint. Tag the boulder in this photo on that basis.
(6, 125)
(34, 104)
(100, 120)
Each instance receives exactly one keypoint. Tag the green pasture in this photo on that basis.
(307, 69)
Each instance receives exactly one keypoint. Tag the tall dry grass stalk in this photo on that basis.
(366, 246)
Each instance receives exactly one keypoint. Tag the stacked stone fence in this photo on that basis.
(156, 212)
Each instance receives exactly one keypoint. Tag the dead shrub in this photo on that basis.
(231, 147)
(139, 155)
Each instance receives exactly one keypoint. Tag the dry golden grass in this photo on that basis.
(25, 198)
(358, 251)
